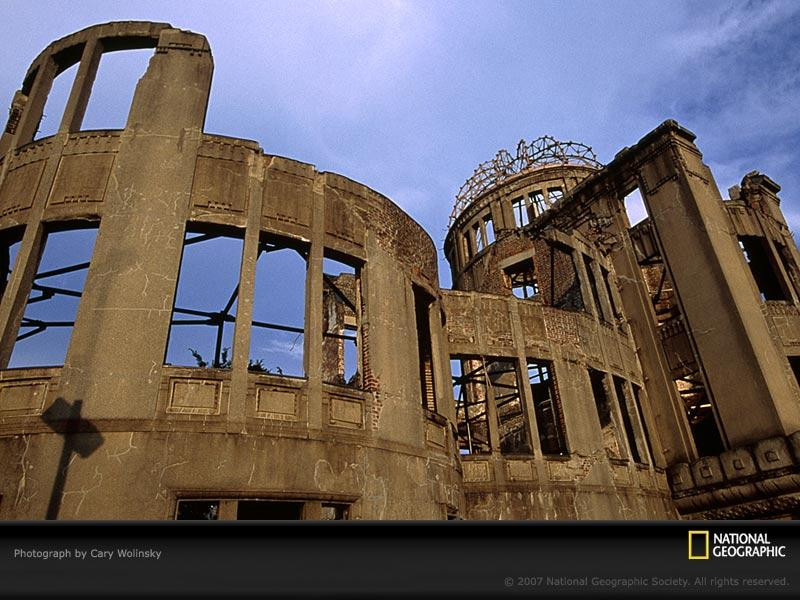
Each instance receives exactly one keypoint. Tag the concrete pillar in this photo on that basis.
(742, 364)
(130, 287)
(81, 87)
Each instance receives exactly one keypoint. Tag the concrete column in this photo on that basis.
(313, 338)
(34, 107)
(741, 362)
(673, 434)
(130, 287)
(237, 408)
(81, 87)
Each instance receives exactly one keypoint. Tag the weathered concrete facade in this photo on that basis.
(648, 395)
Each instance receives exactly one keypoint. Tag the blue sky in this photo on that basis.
(409, 97)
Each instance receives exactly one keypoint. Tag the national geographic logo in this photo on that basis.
(702, 546)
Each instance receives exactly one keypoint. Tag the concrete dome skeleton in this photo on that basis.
(580, 368)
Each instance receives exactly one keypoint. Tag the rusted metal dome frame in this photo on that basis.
(543, 151)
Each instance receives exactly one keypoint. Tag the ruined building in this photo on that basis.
(580, 368)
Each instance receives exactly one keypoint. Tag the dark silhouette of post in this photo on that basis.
(80, 436)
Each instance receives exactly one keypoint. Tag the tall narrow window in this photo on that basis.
(635, 208)
(471, 398)
(765, 272)
(480, 242)
(422, 304)
(549, 417)
(113, 88)
(52, 306)
(537, 202)
(278, 331)
(467, 240)
(554, 194)
(512, 423)
(607, 282)
(341, 312)
(520, 209)
(522, 279)
(56, 101)
(589, 264)
(622, 400)
(608, 428)
(637, 397)
(204, 314)
(489, 228)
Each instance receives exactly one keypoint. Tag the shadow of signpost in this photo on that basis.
(80, 436)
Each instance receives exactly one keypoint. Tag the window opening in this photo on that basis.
(512, 424)
(56, 101)
(49, 317)
(422, 305)
(607, 282)
(489, 228)
(700, 414)
(204, 314)
(480, 242)
(341, 304)
(537, 202)
(627, 423)
(335, 512)
(554, 194)
(197, 510)
(522, 279)
(115, 83)
(279, 301)
(565, 285)
(471, 397)
(604, 413)
(547, 406)
(765, 273)
(637, 397)
(635, 207)
(269, 510)
(520, 209)
(589, 264)
(468, 245)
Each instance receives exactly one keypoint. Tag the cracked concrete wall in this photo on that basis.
(149, 433)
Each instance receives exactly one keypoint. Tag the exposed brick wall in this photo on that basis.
(558, 277)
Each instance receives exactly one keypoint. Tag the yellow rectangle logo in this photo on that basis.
(694, 538)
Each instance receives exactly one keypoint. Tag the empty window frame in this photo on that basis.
(511, 419)
(520, 209)
(488, 227)
(700, 414)
(635, 207)
(607, 282)
(471, 398)
(268, 509)
(204, 313)
(341, 315)
(10, 241)
(547, 406)
(468, 245)
(565, 285)
(52, 305)
(637, 398)
(422, 306)
(766, 274)
(279, 304)
(598, 305)
(608, 428)
(480, 241)
(554, 194)
(537, 202)
(112, 91)
(627, 422)
(522, 279)
(57, 98)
